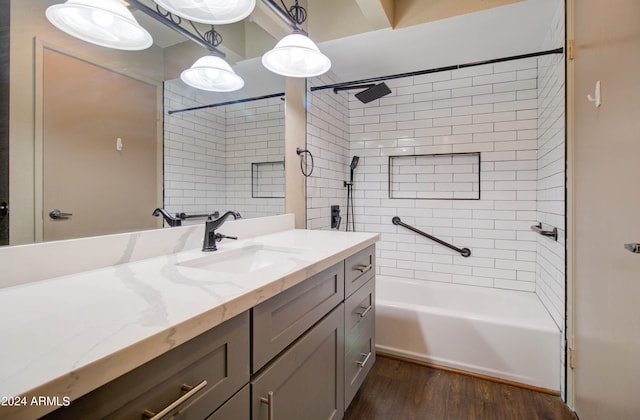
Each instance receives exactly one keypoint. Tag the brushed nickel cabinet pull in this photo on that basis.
(366, 359)
(366, 311)
(364, 268)
(269, 402)
(191, 391)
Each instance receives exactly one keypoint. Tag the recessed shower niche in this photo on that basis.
(450, 176)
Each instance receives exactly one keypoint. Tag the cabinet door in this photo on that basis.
(306, 381)
(280, 320)
(237, 408)
(359, 346)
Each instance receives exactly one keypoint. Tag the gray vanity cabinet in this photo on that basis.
(359, 348)
(302, 354)
(306, 381)
(279, 321)
(195, 379)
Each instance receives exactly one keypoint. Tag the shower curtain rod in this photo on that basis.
(340, 86)
(239, 101)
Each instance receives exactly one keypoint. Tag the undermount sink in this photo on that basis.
(243, 260)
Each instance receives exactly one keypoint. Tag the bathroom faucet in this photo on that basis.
(171, 221)
(210, 235)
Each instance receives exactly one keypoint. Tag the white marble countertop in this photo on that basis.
(69, 335)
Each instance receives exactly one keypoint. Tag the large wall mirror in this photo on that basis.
(106, 136)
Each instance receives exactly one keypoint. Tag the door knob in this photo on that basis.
(4, 208)
(57, 214)
(635, 248)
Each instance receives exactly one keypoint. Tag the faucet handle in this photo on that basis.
(220, 237)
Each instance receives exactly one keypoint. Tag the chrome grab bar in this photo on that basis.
(465, 252)
(548, 233)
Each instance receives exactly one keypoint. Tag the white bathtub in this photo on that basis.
(500, 333)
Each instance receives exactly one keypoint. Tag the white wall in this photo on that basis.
(208, 154)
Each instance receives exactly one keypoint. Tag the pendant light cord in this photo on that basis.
(296, 12)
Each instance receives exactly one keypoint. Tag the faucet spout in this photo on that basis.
(171, 221)
(210, 227)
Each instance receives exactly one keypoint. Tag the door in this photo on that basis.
(4, 123)
(100, 150)
(606, 213)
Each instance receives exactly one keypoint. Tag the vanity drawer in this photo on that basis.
(359, 307)
(215, 364)
(358, 360)
(279, 321)
(358, 269)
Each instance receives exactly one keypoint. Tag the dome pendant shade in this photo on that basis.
(213, 74)
(214, 12)
(107, 23)
(296, 56)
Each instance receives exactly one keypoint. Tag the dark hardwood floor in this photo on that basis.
(400, 390)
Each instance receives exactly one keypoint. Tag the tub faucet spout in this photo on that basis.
(210, 235)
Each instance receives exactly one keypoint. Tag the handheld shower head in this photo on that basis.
(354, 162)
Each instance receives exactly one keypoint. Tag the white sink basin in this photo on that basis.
(243, 260)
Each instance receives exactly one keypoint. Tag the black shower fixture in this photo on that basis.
(370, 93)
(373, 93)
(354, 165)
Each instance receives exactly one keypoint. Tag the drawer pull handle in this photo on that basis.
(269, 402)
(366, 311)
(366, 359)
(364, 268)
(190, 392)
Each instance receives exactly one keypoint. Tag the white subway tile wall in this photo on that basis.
(462, 111)
(328, 140)
(550, 194)
(208, 154)
(255, 133)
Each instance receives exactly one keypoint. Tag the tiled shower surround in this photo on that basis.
(509, 112)
(208, 155)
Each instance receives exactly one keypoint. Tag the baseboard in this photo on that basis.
(467, 373)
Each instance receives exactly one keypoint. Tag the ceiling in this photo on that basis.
(370, 38)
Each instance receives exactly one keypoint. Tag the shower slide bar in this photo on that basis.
(548, 233)
(465, 252)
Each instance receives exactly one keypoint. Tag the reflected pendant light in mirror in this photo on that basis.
(213, 74)
(107, 23)
(210, 11)
(296, 56)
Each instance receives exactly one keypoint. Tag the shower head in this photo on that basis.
(354, 162)
(373, 93)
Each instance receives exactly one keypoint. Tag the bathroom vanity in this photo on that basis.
(287, 339)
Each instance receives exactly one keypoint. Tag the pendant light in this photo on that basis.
(107, 23)
(213, 74)
(210, 11)
(296, 56)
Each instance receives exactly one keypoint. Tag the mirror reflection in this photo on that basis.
(94, 149)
